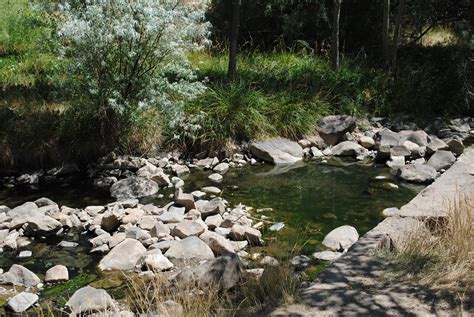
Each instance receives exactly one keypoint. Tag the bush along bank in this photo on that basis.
(200, 225)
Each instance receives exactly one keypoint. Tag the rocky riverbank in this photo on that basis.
(197, 236)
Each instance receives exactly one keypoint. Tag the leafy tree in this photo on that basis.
(132, 55)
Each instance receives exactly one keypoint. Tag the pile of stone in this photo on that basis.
(417, 156)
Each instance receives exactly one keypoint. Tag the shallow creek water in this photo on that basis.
(311, 198)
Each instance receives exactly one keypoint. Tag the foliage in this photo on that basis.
(131, 55)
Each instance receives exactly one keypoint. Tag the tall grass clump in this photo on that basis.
(251, 296)
(442, 257)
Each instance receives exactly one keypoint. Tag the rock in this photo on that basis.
(239, 233)
(137, 234)
(390, 212)
(190, 248)
(277, 226)
(132, 215)
(419, 137)
(218, 244)
(268, 260)
(111, 220)
(25, 254)
(327, 255)
(171, 217)
(156, 261)
(224, 272)
(115, 259)
(400, 150)
(105, 182)
(214, 221)
(187, 228)
(304, 143)
(41, 202)
(388, 138)
(333, 128)
(185, 200)
(57, 273)
(100, 240)
(133, 187)
(20, 276)
(277, 151)
(88, 300)
(221, 168)
(415, 150)
(436, 145)
(216, 177)
(348, 148)
(163, 246)
(207, 162)
(212, 207)
(22, 301)
(179, 170)
(199, 194)
(396, 162)
(300, 261)
(211, 190)
(441, 160)
(367, 142)
(456, 146)
(67, 244)
(316, 152)
(341, 238)
(417, 173)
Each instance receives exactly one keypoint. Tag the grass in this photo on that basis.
(442, 258)
(251, 296)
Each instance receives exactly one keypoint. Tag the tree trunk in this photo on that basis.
(396, 35)
(335, 34)
(385, 32)
(234, 34)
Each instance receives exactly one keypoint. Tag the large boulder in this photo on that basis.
(417, 173)
(348, 148)
(333, 128)
(89, 300)
(42, 226)
(341, 238)
(133, 187)
(277, 151)
(127, 255)
(190, 248)
(441, 160)
(20, 276)
(224, 272)
(22, 301)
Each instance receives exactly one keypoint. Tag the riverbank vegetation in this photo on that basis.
(440, 258)
(284, 81)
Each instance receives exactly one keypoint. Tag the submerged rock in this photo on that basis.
(133, 187)
(277, 151)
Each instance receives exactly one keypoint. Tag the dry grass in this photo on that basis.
(441, 258)
(278, 285)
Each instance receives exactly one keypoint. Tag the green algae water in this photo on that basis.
(311, 198)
